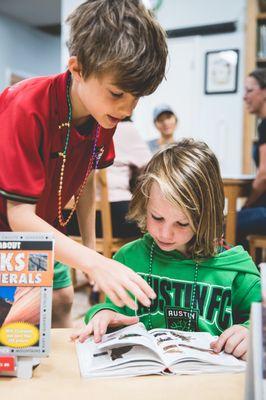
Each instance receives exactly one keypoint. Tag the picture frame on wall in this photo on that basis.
(221, 71)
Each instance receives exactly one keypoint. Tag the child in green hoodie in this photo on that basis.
(201, 285)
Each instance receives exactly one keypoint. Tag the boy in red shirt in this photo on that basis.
(55, 131)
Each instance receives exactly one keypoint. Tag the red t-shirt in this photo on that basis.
(30, 139)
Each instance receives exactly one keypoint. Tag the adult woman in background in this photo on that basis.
(252, 217)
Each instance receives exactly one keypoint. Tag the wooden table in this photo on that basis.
(234, 188)
(58, 378)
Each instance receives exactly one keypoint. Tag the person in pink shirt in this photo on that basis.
(132, 153)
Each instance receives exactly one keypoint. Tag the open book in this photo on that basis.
(133, 351)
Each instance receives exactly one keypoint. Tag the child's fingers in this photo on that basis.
(233, 341)
(86, 332)
(143, 285)
(114, 298)
(220, 342)
(230, 339)
(240, 350)
(75, 335)
(103, 325)
(97, 323)
(117, 280)
(110, 318)
(124, 297)
(77, 332)
(138, 293)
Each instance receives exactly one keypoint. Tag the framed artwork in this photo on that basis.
(221, 71)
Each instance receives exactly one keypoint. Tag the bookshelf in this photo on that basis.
(261, 40)
(255, 57)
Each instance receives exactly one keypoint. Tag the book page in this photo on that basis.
(176, 347)
(173, 344)
(126, 352)
(131, 335)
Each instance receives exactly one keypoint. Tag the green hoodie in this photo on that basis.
(226, 286)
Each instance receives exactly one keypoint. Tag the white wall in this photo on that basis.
(67, 6)
(184, 13)
(26, 51)
(217, 119)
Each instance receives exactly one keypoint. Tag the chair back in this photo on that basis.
(107, 245)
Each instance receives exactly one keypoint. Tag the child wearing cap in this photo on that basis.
(165, 120)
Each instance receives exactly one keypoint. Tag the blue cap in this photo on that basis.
(162, 108)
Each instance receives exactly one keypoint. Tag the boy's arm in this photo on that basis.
(86, 213)
(113, 278)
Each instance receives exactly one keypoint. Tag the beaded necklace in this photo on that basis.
(93, 160)
(193, 288)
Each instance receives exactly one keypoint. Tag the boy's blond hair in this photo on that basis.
(120, 37)
(188, 174)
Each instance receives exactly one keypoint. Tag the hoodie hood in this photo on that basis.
(234, 259)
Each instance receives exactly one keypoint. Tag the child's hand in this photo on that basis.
(116, 280)
(99, 323)
(233, 340)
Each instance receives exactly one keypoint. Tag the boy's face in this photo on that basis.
(167, 224)
(101, 99)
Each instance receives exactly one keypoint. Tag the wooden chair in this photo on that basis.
(256, 242)
(107, 245)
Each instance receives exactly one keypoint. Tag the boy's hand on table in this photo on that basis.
(233, 340)
(116, 280)
(100, 322)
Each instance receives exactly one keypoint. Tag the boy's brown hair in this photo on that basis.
(119, 37)
(188, 174)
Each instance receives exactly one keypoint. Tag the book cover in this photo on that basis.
(255, 387)
(26, 278)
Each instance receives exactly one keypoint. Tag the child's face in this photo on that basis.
(166, 124)
(101, 99)
(167, 224)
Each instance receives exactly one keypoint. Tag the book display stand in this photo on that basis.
(256, 368)
(26, 276)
